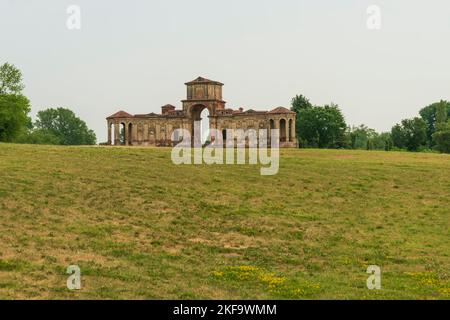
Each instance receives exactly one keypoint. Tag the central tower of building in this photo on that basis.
(203, 93)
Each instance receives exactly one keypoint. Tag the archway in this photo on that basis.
(205, 126)
(122, 135)
(282, 130)
(200, 114)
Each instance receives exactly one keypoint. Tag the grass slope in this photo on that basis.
(140, 227)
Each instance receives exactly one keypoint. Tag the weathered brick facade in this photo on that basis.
(156, 129)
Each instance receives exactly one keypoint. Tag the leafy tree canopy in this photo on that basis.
(442, 137)
(10, 79)
(14, 107)
(14, 120)
(38, 136)
(363, 137)
(300, 102)
(410, 134)
(65, 126)
(429, 113)
(322, 127)
(398, 136)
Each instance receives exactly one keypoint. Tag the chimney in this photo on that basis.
(167, 108)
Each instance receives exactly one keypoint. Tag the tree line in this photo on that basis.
(325, 127)
(56, 126)
(317, 126)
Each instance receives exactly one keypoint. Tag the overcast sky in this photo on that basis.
(135, 55)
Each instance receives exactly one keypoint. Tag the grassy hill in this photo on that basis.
(140, 227)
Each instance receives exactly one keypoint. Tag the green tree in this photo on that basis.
(332, 127)
(63, 124)
(398, 136)
(38, 136)
(306, 126)
(441, 114)
(322, 127)
(14, 109)
(442, 137)
(428, 114)
(383, 141)
(300, 102)
(359, 136)
(415, 132)
(412, 134)
(369, 145)
(10, 79)
(363, 137)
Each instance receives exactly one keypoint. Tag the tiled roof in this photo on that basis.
(120, 114)
(203, 80)
(148, 115)
(281, 110)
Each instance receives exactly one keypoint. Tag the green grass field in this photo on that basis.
(140, 227)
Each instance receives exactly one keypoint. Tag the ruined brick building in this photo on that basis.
(156, 129)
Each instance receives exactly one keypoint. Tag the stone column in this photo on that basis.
(139, 133)
(157, 132)
(116, 134)
(187, 126)
(169, 130)
(145, 132)
(109, 133)
(277, 126)
(293, 130)
(134, 137)
(162, 134)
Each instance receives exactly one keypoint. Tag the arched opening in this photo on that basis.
(122, 134)
(200, 130)
(282, 130)
(206, 138)
(290, 130)
(224, 135)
